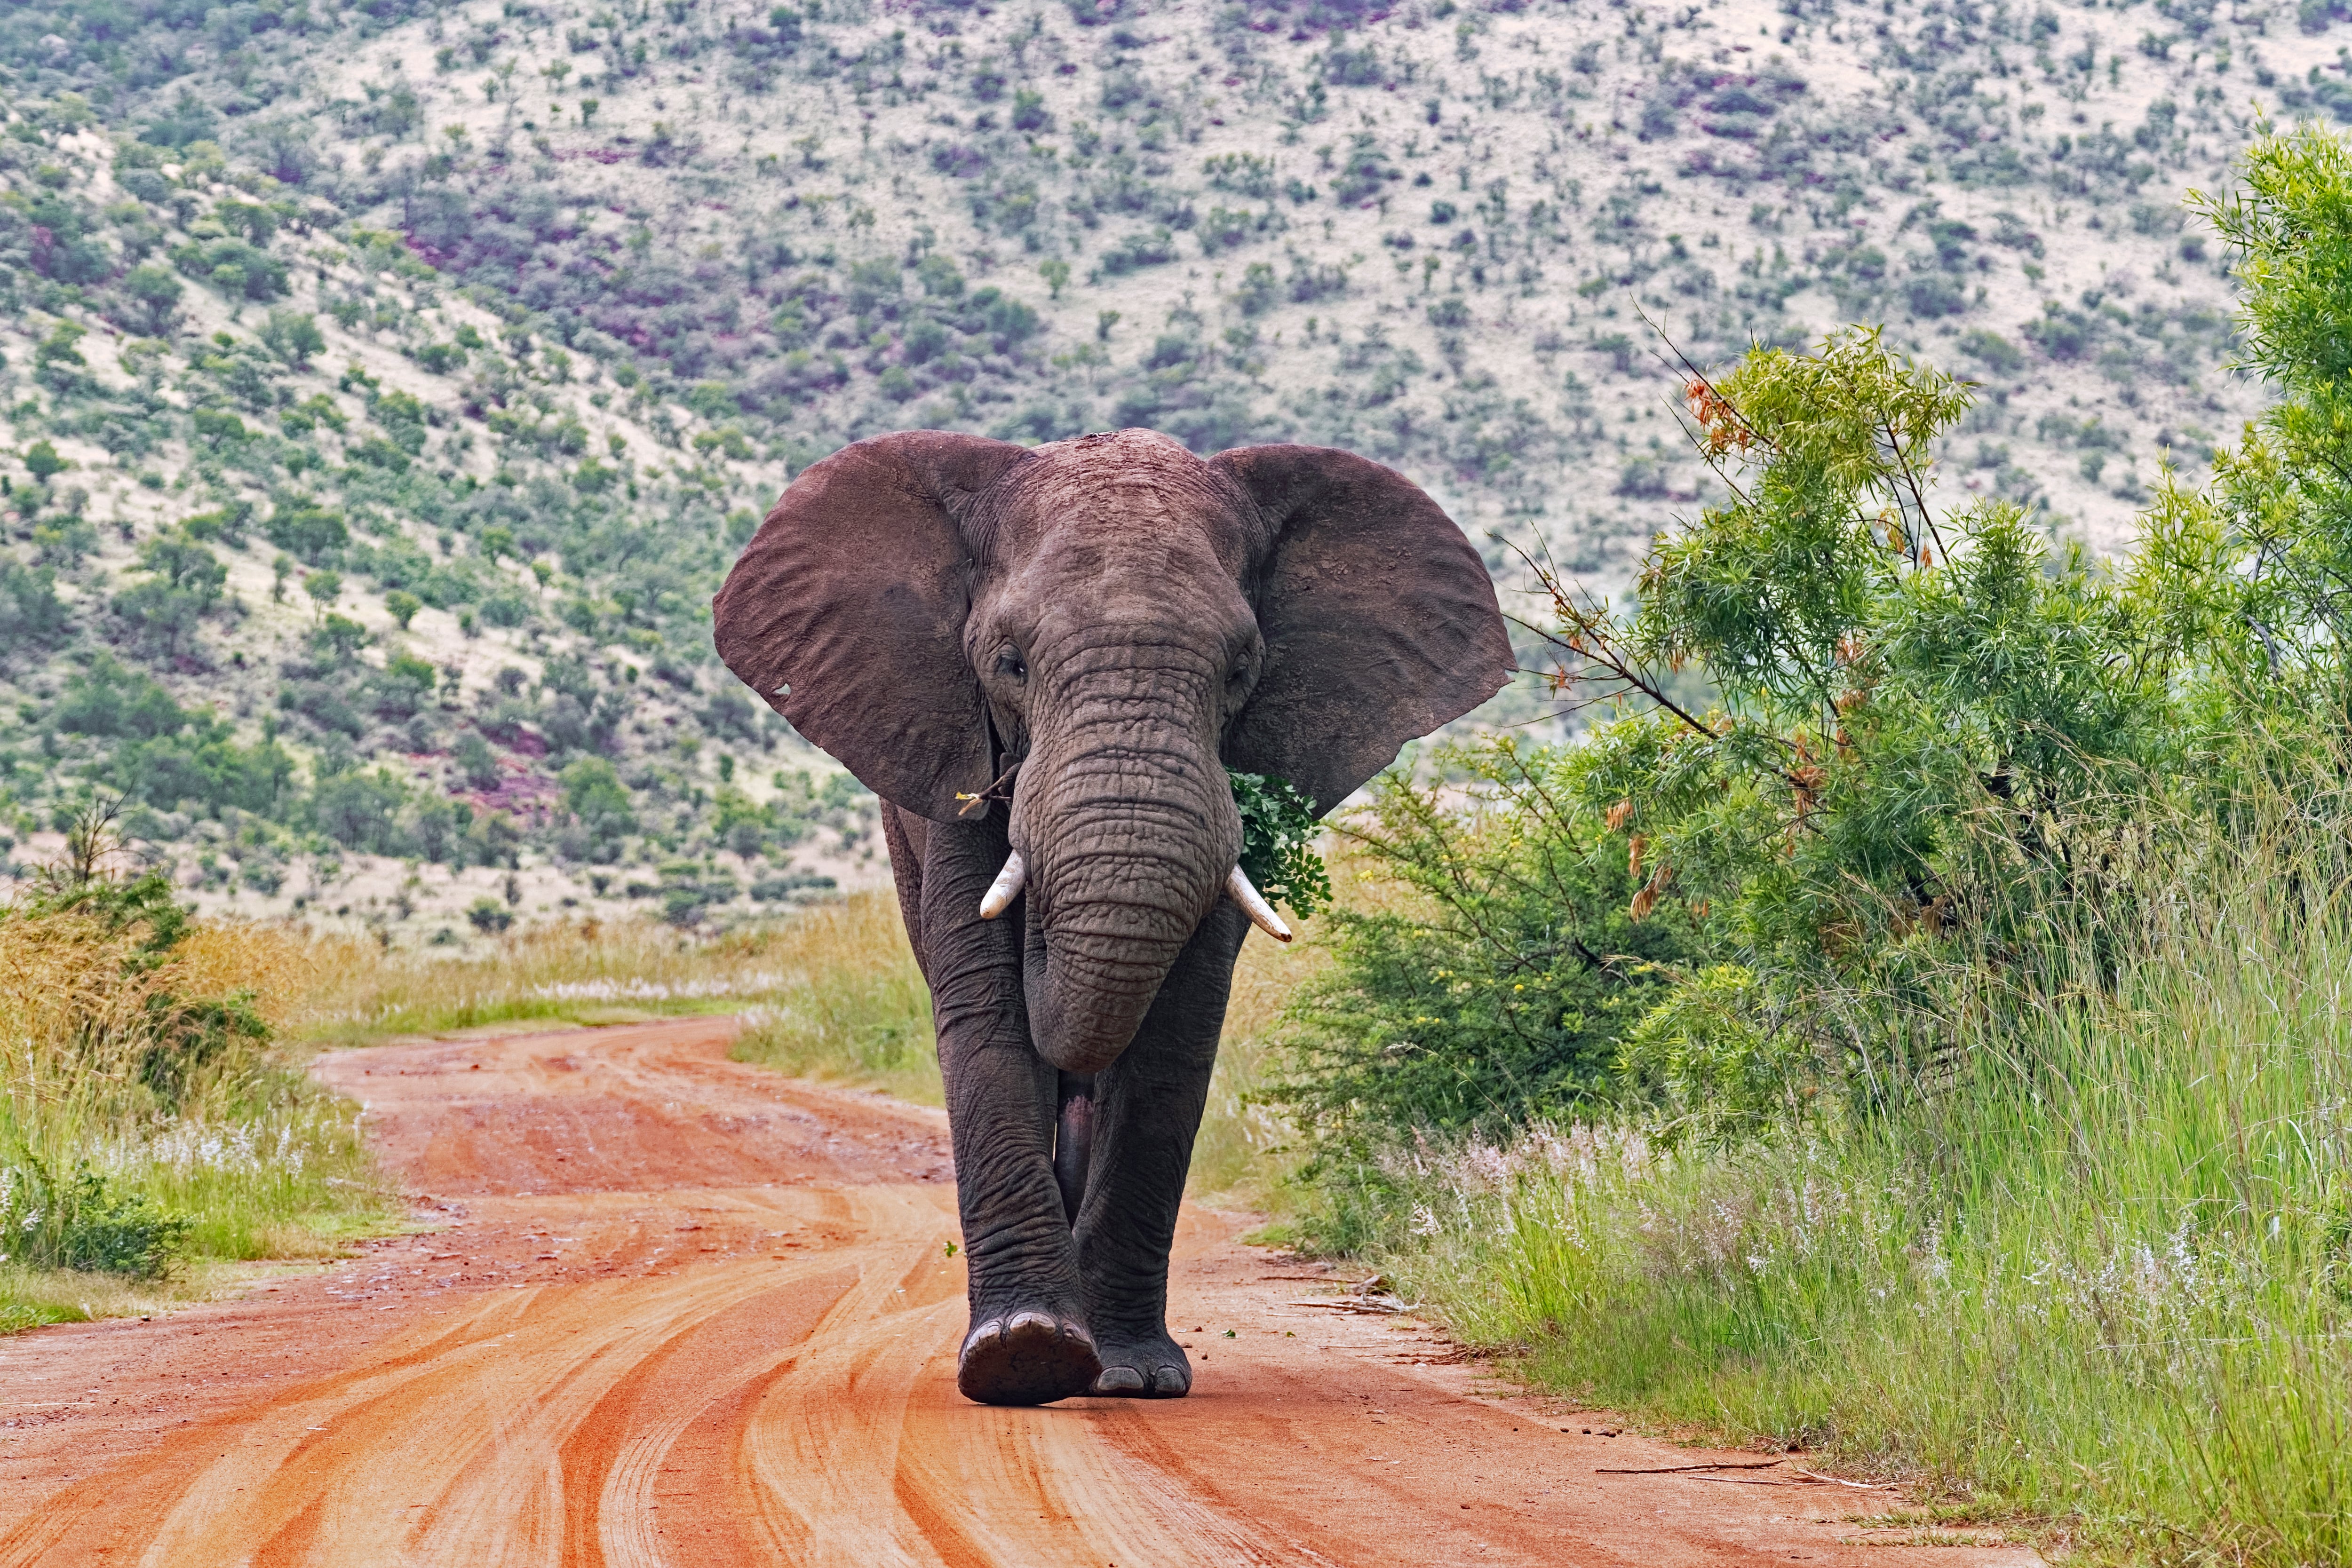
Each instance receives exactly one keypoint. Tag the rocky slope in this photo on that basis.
(387, 386)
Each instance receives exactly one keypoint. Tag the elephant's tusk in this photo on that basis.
(1005, 888)
(1253, 904)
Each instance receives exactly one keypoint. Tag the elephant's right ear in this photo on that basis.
(1380, 620)
(845, 612)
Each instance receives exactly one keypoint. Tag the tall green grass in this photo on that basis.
(142, 1149)
(849, 1003)
(2097, 1267)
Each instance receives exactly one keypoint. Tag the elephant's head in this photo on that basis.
(1122, 620)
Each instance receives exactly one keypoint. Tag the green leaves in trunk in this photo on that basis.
(1278, 842)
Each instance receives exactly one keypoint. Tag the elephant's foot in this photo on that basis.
(1026, 1358)
(1152, 1368)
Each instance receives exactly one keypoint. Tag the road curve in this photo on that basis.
(666, 1309)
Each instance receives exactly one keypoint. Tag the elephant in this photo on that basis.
(1045, 660)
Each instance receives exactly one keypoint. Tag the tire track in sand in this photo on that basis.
(680, 1313)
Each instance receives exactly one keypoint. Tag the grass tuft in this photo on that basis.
(848, 1005)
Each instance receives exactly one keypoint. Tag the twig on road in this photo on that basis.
(1678, 1469)
(1832, 1480)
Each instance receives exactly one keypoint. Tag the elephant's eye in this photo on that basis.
(1010, 664)
(1240, 674)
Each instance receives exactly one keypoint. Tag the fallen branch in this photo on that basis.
(1678, 1469)
(1377, 1306)
(1832, 1480)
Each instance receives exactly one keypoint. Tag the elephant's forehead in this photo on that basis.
(1099, 571)
(1136, 498)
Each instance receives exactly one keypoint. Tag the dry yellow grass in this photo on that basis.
(284, 969)
(853, 1005)
(77, 1000)
(70, 988)
(127, 1111)
(71, 1003)
(586, 971)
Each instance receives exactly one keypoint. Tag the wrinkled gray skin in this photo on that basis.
(1112, 622)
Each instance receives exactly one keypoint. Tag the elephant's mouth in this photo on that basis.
(1087, 993)
(1238, 887)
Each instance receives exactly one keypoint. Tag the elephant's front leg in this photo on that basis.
(1028, 1343)
(1146, 1114)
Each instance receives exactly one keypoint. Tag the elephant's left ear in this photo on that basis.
(1380, 620)
(845, 612)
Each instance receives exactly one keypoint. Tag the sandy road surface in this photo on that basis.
(677, 1310)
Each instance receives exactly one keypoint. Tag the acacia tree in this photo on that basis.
(157, 294)
(1891, 682)
(1850, 738)
(2254, 577)
(184, 583)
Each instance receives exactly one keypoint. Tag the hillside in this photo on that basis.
(387, 386)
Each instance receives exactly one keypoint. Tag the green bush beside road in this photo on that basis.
(1908, 1021)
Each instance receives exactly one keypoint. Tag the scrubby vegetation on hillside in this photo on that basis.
(1904, 1022)
(386, 386)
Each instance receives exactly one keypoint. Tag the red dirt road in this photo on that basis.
(677, 1310)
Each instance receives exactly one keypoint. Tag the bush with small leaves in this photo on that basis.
(42, 461)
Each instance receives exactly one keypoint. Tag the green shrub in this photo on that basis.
(1247, 175)
(361, 811)
(33, 619)
(477, 763)
(1137, 250)
(1490, 966)
(311, 532)
(234, 267)
(2095, 1272)
(293, 336)
(594, 793)
(84, 1221)
(42, 461)
(1992, 351)
(157, 294)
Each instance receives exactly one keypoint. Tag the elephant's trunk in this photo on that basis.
(1128, 849)
(1084, 1012)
